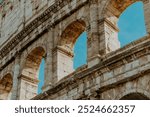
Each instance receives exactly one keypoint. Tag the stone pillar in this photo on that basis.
(147, 15)
(15, 78)
(27, 87)
(108, 35)
(63, 63)
(93, 35)
(108, 30)
(48, 77)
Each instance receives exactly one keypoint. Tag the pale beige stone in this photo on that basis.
(32, 30)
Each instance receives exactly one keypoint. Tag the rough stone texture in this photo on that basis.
(5, 87)
(32, 30)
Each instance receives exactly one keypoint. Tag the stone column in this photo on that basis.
(62, 63)
(15, 78)
(147, 15)
(48, 77)
(93, 35)
(108, 36)
(108, 29)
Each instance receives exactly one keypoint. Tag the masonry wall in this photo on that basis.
(32, 30)
(16, 14)
(118, 78)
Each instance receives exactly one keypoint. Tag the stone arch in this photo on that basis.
(133, 93)
(118, 6)
(65, 46)
(29, 50)
(33, 59)
(71, 33)
(134, 96)
(68, 22)
(5, 86)
(29, 75)
(110, 13)
(33, 47)
(7, 70)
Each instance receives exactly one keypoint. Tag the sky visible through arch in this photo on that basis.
(131, 25)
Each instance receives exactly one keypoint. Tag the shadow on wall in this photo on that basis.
(134, 96)
(6, 87)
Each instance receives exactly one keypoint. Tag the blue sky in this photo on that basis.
(131, 25)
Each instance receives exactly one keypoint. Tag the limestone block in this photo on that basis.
(108, 75)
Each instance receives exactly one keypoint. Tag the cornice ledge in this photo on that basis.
(6, 47)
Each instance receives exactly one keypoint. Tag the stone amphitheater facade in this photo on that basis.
(31, 30)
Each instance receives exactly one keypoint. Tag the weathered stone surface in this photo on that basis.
(32, 30)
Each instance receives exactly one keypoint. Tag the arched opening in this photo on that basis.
(135, 96)
(80, 51)
(123, 23)
(131, 24)
(5, 87)
(30, 80)
(71, 33)
(41, 76)
(69, 47)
